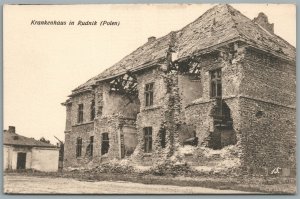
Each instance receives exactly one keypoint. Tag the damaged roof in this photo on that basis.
(152, 52)
(223, 23)
(14, 139)
(220, 24)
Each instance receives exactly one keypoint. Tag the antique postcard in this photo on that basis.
(149, 99)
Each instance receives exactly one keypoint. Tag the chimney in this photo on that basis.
(151, 39)
(263, 21)
(12, 129)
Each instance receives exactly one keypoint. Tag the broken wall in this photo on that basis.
(199, 112)
(130, 139)
(115, 103)
(155, 116)
(110, 125)
(189, 89)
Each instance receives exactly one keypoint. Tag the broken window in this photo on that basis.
(187, 134)
(80, 113)
(105, 143)
(149, 94)
(193, 141)
(216, 83)
(148, 139)
(162, 136)
(93, 110)
(78, 147)
(100, 109)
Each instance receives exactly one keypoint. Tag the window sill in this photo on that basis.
(80, 124)
(147, 154)
(216, 97)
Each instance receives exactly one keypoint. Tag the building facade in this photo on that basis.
(222, 80)
(20, 152)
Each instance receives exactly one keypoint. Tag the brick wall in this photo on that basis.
(83, 131)
(268, 79)
(85, 99)
(268, 114)
(268, 135)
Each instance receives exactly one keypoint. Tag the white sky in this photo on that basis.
(42, 64)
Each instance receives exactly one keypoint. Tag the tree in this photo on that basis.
(42, 139)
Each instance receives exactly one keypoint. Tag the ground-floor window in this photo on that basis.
(78, 147)
(91, 147)
(105, 143)
(148, 139)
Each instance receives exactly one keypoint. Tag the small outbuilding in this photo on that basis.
(20, 152)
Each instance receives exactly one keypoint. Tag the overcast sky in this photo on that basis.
(42, 64)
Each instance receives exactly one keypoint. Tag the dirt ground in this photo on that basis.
(14, 184)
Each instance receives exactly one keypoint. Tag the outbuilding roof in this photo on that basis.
(14, 139)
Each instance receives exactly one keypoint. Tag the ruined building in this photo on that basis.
(222, 80)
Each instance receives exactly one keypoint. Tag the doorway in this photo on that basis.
(21, 161)
(122, 146)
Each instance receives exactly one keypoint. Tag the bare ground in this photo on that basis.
(148, 183)
(15, 184)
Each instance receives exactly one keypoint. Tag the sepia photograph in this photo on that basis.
(149, 99)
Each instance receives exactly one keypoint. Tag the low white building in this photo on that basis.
(20, 152)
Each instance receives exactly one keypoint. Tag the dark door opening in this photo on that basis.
(21, 161)
(223, 134)
(122, 147)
